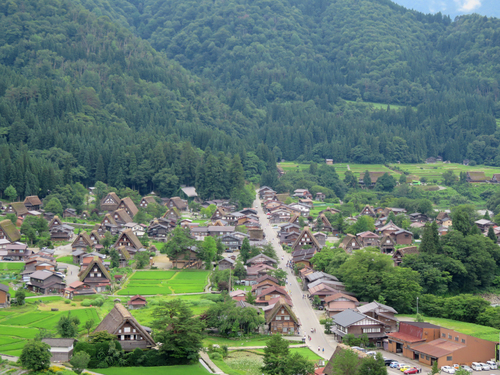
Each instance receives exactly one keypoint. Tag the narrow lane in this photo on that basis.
(302, 307)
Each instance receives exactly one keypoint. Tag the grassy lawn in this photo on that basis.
(250, 341)
(243, 362)
(475, 330)
(377, 106)
(165, 282)
(66, 259)
(196, 369)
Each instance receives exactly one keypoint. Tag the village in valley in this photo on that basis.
(299, 267)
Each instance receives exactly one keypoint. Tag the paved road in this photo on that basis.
(302, 307)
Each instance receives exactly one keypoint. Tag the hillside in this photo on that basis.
(95, 94)
(490, 8)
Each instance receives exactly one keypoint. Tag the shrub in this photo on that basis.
(67, 302)
(215, 356)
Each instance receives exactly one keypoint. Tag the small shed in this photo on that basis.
(136, 302)
(61, 349)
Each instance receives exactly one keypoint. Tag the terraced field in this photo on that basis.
(165, 282)
(17, 325)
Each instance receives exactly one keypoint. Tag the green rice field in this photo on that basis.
(417, 171)
(165, 282)
(17, 325)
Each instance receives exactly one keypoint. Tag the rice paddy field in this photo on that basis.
(10, 266)
(19, 324)
(165, 282)
(417, 171)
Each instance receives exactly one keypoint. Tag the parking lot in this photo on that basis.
(425, 369)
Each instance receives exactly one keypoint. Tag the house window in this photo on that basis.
(449, 336)
(286, 318)
(126, 329)
(285, 329)
(456, 338)
(449, 358)
(278, 318)
(421, 356)
(463, 341)
(444, 335)
(371, 330)
(99, 274)
(427, 357)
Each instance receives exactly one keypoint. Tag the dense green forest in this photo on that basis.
(132, 93)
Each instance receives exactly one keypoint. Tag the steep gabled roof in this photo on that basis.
(171, 211)
(348, 239)
(310, 239)
(377, 307)
(19, 207)
(189, 191)
(95, 262)
(115, 320)
(349, 317)
(389, 226)
(477, 176)
(33, 200)
(374, 176)
(281, 304)
(84, 236)
(132, 237)
(10, 230)
(336, 296)
(114, 197)
(130, 205)
(149, 199)
(267, 277)
(110, 218)
(269, 259)
(407, 250)
(123, 215)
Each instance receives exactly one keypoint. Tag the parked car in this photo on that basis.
(359, 348)
(394, 364)
(388, 361)
(466, 368)
(373, 354)
(404, 368)
(6, 258)
(456, 366)
(448, 369)
(492, 365)
(412, 370)
(476, 366)
(485, 367)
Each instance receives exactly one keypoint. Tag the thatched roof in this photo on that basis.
(127, 201)
(408, 250)
(136, 244)
(279, 305)
(306, 237)
(149, 199)
(374, 176)
(117, 317)
(110, 206)
(110, 219)
(84, 236)
(33, 200)
(124, 252)
(19, 207)
(476, 176)
(10, 230)
(122, 215)
(95, 262)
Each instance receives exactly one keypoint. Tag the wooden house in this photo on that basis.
(368, 239)
(261, 259)
(322, 290)
(176, 202)
(61, 233)
(387, 244)
(322, 223)
(121, 217)
(338, 302)
(231, 242)
(8, 231)
(46, 282)
(444, 219)
(137, 302)
(356, 323)
(417, 217)
(129, 206)
(128, 239)
(320, 196)
(69, 212)
(476, 177)
(368, 211)
(400, 253)
(306, 238)
(303, 256)
(388, 229)
(95, 275)
(146, 200)
(61, 350)
(78, 288)
(350, 243)
(172, 214)
(82, 242)
(495, 179)
(56, 221)
(4, 296)
(110, 202)
(374, 176)
(226, 264)
(188, 259)
(17, 208)
(403, 237)
(383, 313)
(129, 333)
(281, 319)
(85, 215)
(32, 203)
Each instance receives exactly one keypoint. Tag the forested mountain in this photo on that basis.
(490, 8)
(126, 91)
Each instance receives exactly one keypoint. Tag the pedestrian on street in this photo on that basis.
(319, 349)
(323, 350)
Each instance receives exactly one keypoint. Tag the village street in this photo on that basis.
(303, 309)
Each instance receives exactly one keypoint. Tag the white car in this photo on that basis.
(492, 365)
(485, 367)
(476, 366)
(466, 368)
(448, 369)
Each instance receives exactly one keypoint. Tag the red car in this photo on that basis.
(413, 370)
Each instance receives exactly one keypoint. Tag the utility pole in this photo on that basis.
(417, 305)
